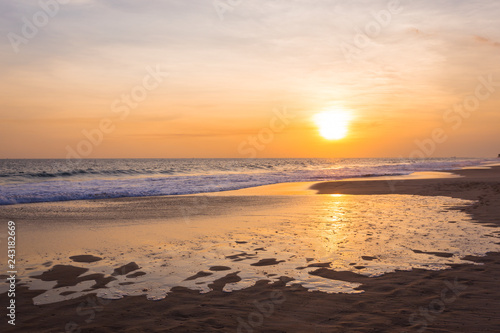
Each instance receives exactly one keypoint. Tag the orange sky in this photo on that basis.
(403, 71)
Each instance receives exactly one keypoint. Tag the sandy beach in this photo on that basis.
(250, 166)
(397, 254)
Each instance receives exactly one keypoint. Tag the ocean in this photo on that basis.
(45, 180)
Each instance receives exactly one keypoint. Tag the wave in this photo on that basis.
(64, 174)
(57, 189)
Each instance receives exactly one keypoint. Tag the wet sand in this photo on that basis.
(463, 298)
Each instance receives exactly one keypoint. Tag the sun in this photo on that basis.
(333, 124)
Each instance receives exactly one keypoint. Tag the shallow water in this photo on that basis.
(391, 232)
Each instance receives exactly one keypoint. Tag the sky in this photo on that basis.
(247, 78)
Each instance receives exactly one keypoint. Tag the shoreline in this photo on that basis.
(288, 188)
(387, 304)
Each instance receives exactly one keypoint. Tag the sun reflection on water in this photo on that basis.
(369, 235)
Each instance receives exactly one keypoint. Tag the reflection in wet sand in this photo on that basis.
(368, 235)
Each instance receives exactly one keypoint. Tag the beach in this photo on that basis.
(394, 254)
(250, 166)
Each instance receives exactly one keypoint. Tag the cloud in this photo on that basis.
(262, 54)
(485, 40)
